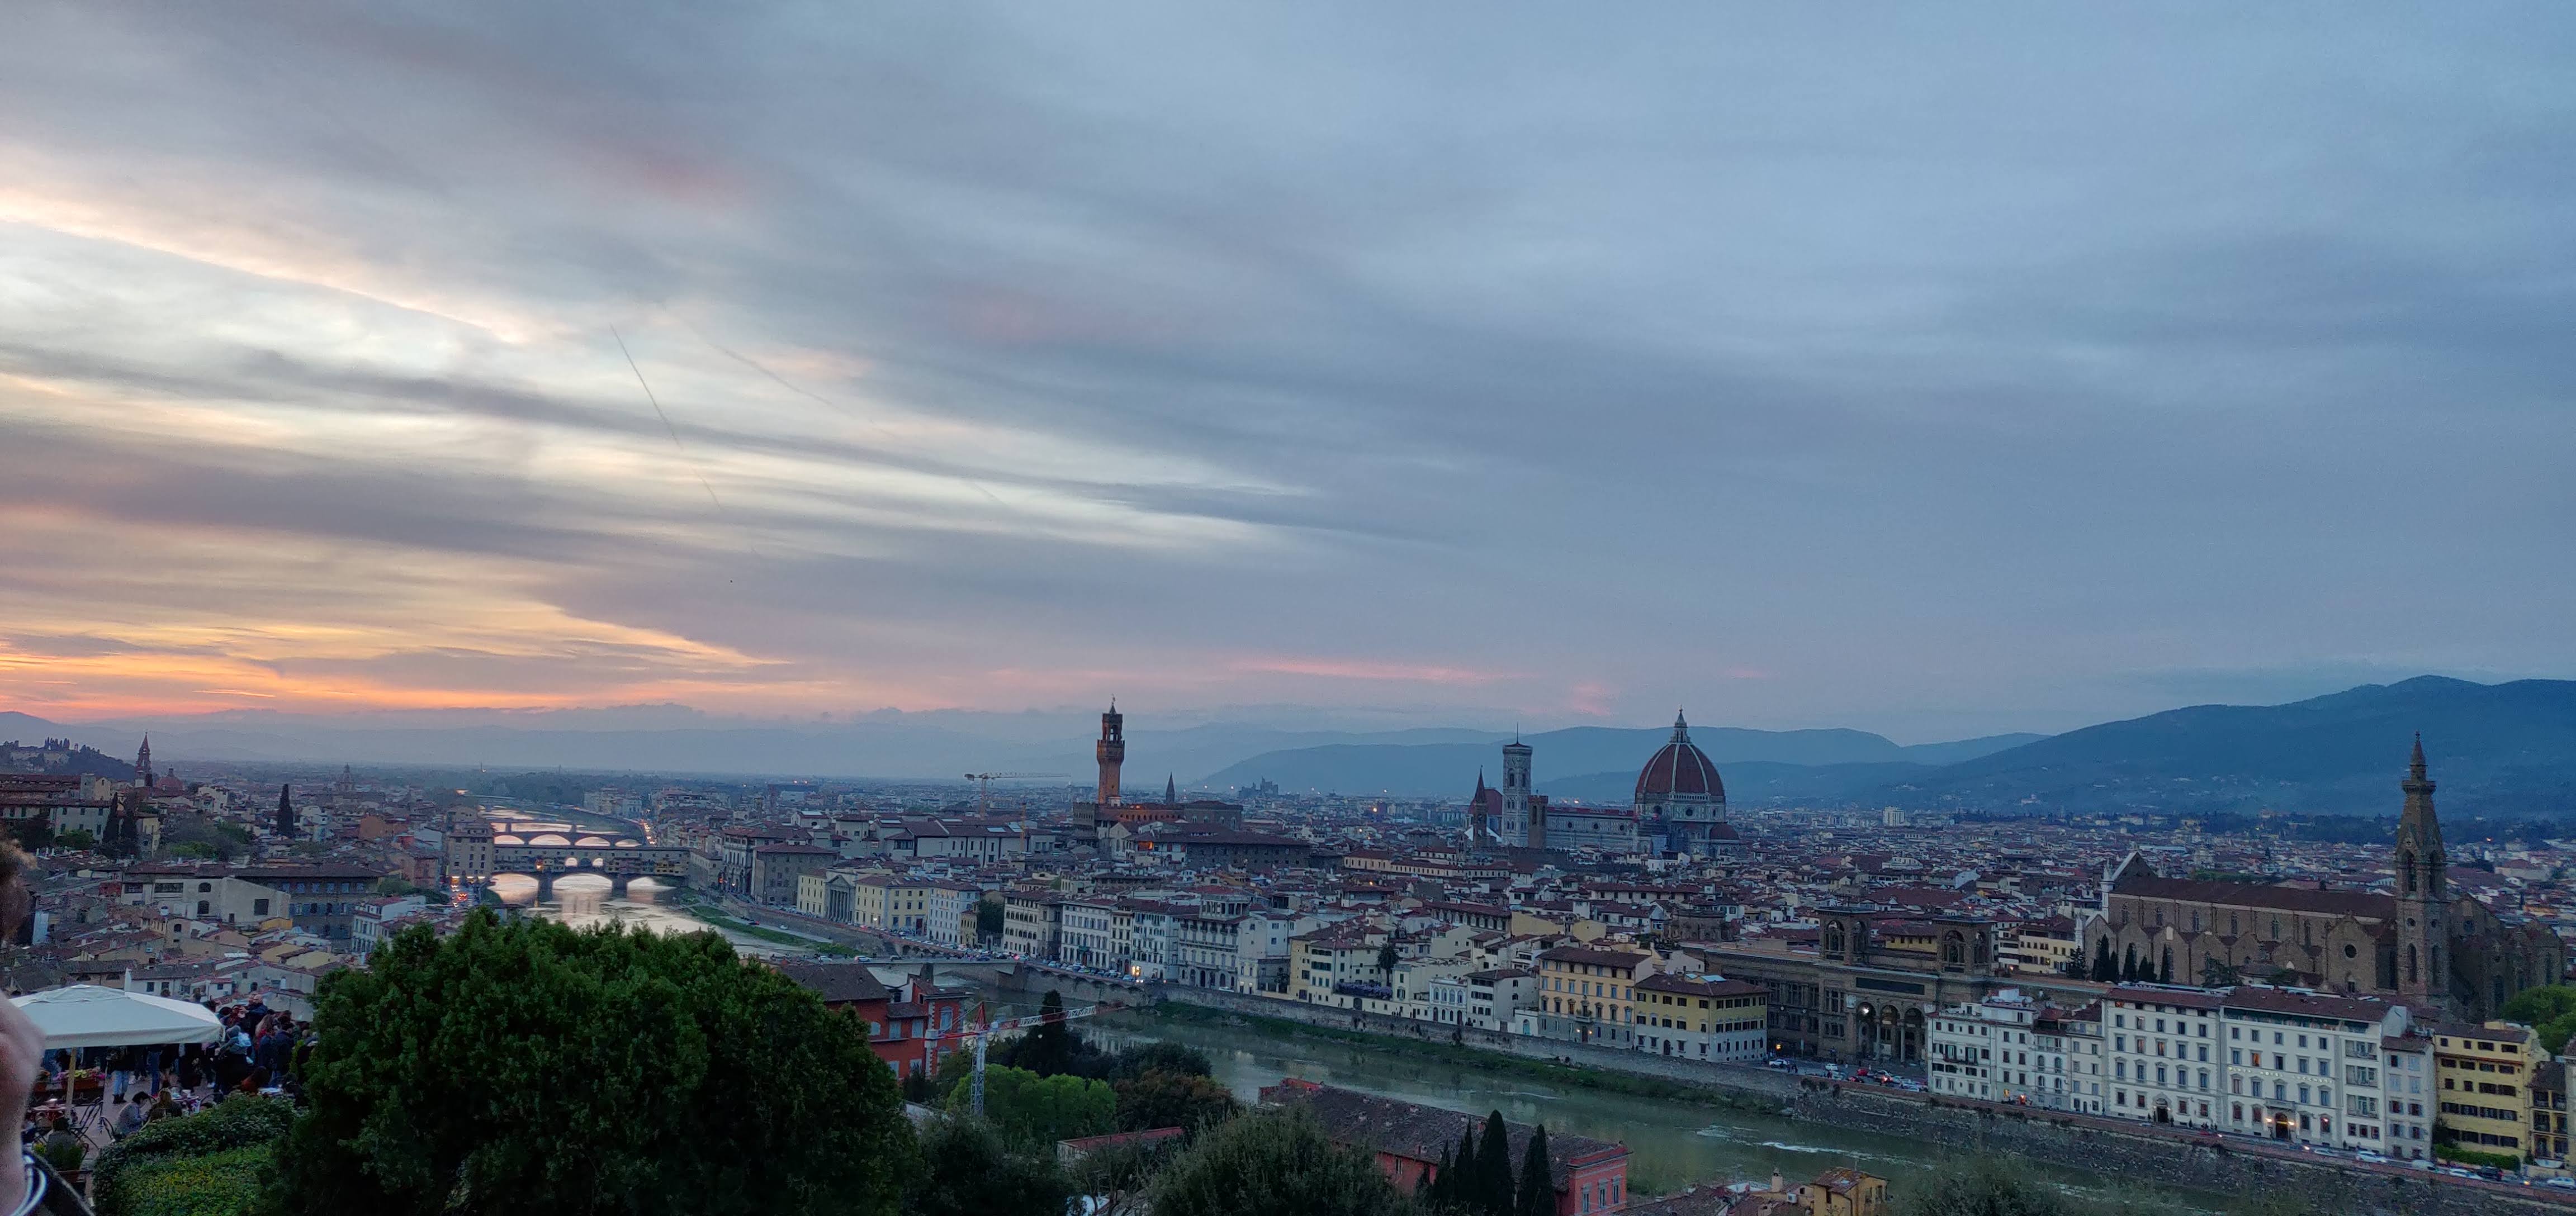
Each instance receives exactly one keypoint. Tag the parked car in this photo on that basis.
(2371, 1157)
(2562, 1182)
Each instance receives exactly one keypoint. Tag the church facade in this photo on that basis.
(2420, 942)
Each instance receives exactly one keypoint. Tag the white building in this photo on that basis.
(2168, 1062)
(2307, 1067)
(2009, 1048)
(1090, 934)
(1261, 950)
(951, 907)
(2408, 1103)
(1496, 996)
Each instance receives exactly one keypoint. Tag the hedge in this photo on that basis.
(217, 1184)
(173, 1146)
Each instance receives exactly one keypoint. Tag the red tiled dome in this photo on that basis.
(1681, 768)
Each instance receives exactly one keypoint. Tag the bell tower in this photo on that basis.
(1111, 751)
(143, 764)
(2423, 971)
(1516, 794)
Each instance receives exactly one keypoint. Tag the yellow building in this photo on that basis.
(1844, 1191)
(1337, 966)
(2485, 1074)
(1591, 993)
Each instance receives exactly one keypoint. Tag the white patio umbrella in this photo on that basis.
(86, 1015)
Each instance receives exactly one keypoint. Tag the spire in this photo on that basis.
(2420, 859)
(1171, 791)
(1681, 728)
(285, 811)
(2414, 767)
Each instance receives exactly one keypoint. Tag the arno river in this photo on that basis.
(1672, 1144)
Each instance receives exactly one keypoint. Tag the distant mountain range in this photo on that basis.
(2499, 749)
(2503, 749)
(1604, 754)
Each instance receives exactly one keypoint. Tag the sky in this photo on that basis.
(1914, 368)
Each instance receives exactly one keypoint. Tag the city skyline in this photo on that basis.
(991, 358)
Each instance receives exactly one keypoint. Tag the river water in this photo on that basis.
(1671, 1144)
(583, 900)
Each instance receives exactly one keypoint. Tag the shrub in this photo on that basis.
(1275, 1163)
(217, 1184)
(2471, 1156)
(238, 1122)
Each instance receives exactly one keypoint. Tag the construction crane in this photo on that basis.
(983, 1036)
(984, 785)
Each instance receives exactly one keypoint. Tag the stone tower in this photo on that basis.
(1111, 751)
(143, 764)
(2423, 971)
(1514, 828)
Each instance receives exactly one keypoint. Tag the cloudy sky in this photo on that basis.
(1911, 367)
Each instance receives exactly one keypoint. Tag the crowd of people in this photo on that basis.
(257, 1053)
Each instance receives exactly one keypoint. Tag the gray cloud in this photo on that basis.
(1938, 371)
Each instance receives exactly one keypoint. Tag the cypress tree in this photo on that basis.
(1464, 1196)
(1538, 1183)
(1441, 1193)
(2102, 968)
(1494, 1167)
(285, 812)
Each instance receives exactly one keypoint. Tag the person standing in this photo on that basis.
(22, 1046)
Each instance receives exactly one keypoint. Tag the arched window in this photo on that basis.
(2406, 870)
(2410, 964)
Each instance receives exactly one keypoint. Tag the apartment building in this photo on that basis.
(1697, 1016)
(1497, 996)
(2485, 1075)
(1589, 995)
(2166, 1065)
(2304, 1066)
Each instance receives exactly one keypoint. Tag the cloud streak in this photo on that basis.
(1004, 354)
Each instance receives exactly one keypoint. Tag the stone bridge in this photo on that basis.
(621, 860)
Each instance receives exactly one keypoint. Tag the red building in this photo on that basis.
(1409, 1140)
(904, 1020)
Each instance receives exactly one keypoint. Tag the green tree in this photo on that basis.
(1494, 1167)
(79, 838)
(525, 1066)
(1164, 1099)
(1176, 1058)
(1049, 1048)
(2550, 1011)
(1386, 957)
(968, 1170)
(1982, 1186)
(2104, 970)
(1030, 1109)
(1115, 1180)
(1466, 1192)
(1536, 1195)
(988, 921)
(1274, 1163)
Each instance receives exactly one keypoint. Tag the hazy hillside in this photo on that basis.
(1750, 782)
(2495, 748)
(1595, 754)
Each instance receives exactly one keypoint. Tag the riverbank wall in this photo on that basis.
(2133, 1151)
